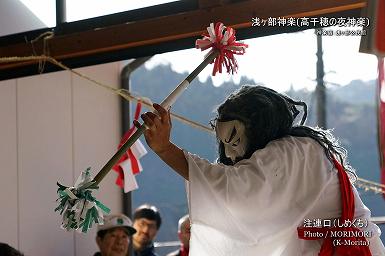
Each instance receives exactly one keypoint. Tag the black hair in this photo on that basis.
(269, 115)
(102, 233)
(149, 212)
(7, 250)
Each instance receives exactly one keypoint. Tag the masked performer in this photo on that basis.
(277, 189)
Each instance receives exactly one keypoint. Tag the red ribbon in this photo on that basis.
(129, 154)
(184, 251)
(381, 117)
(222, 39)
(352, 245)
(380, 26)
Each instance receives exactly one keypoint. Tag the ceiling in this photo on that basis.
(156, 29)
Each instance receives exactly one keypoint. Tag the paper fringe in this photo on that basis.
(222, 39)
(77, 205)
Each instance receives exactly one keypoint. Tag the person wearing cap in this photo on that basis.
(184, 237)
(147, 222)
(113, 236)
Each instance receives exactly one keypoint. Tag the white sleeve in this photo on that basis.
(268, 193)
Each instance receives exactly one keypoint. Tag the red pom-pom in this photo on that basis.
(222, 39)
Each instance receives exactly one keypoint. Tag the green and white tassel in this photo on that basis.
(77, 205)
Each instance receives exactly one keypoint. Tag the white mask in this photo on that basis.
(232, 134)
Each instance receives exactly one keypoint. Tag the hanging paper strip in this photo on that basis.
(129, 164)
(381, 116)
(374, 40)
(129, 181)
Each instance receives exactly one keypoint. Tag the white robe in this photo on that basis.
(254, 207)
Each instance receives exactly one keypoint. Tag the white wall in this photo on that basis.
(9, 226)
(53, 126)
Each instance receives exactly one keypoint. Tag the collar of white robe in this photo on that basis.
(232, 134)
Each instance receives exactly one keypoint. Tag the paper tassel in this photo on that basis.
(77, 205)
(222, 38)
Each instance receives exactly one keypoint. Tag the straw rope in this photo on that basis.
(121, 92)
(42, 59)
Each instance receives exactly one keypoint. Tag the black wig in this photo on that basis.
(269, 115)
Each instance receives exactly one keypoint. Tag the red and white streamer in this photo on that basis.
(128, 166)
(222, 39)
(381, 116)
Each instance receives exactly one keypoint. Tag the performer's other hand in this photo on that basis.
(158, 129)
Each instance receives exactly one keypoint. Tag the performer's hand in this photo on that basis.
(158, 129)
(158, 138)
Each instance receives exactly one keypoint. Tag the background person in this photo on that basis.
(113, 237)
(184, 237)
(7, 250)
(147, 222)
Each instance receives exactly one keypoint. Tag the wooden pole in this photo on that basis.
(170, 99)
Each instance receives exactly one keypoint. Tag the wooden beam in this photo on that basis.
(168, 28)
(209, 3)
